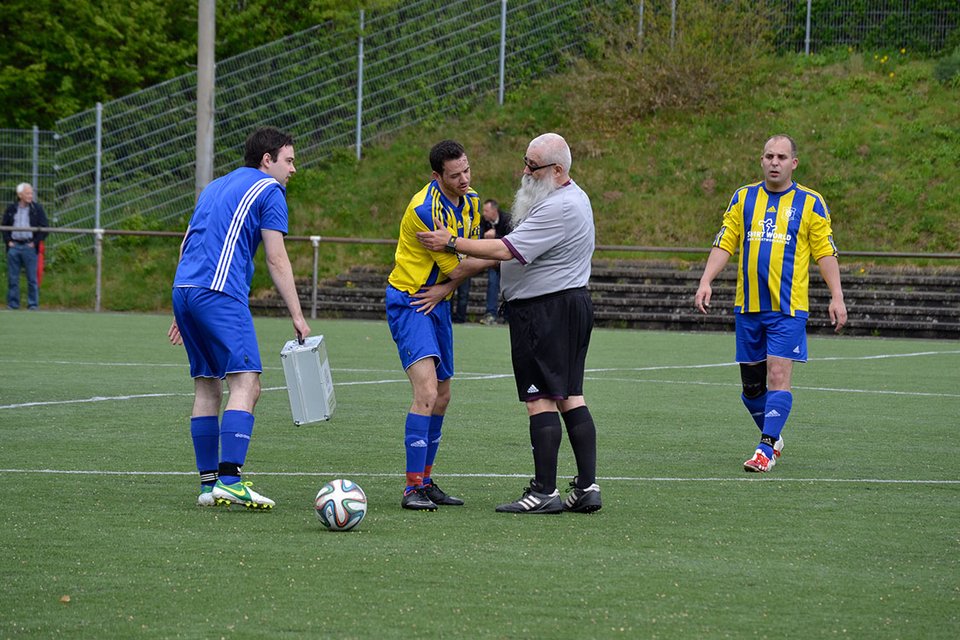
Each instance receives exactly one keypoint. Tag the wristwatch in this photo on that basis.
(451, 245)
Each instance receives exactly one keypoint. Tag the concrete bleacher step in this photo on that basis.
(881, 301)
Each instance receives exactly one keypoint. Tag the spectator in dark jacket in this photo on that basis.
(495, 224)
(22, 246)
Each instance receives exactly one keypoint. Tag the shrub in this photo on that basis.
(947, 69)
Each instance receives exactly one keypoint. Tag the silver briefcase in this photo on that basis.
(309, 382)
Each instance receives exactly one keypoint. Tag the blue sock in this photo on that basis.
(757, 407)
(778, 408)
(205, 431)
(236, 428)
(433, 444)
(415, 441)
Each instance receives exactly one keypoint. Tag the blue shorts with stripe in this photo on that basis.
(217, 332)
(770, 333)
(421, 335)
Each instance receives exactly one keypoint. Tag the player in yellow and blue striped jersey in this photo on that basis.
(775, 226)
(423, 328)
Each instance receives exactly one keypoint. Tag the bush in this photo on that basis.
(947, 69)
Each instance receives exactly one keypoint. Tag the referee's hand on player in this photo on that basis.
(434, 240)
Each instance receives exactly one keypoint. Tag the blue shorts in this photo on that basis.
(770, 333)
(421, 335)
(217, 332)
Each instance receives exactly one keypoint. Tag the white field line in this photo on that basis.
(184, 365)
(737, 384)
(355, 474)
(494, 376)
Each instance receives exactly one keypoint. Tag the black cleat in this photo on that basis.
(439, 497)
(533, 501)
(582, 500)
(417, 500)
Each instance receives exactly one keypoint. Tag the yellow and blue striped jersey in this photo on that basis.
(416, 267)
(776, 234)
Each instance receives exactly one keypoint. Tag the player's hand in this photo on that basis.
(301, 329)
(838, 314)
(702, 300)
(174, 334)
(429, 297)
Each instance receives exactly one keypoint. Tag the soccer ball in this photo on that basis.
(341, 505)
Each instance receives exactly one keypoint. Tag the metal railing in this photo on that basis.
(98, 235)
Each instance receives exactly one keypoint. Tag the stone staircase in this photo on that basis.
(898, 301)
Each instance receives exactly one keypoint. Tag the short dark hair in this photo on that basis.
(493, 203)
(443, 151)
(264, 140)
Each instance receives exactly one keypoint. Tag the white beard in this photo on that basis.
(531, 192)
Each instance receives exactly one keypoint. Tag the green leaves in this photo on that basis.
(62, 57)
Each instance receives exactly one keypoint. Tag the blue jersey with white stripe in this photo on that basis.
(224, 232)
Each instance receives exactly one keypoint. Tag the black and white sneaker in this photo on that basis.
(582, 500)
(439, 496)
(417, 500)
(532, 501)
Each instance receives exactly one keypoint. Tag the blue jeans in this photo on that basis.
(493, 291)
(463, 298)
(22, 256)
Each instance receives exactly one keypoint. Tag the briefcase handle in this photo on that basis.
(299, 338)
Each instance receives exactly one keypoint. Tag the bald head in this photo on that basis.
(551, 149)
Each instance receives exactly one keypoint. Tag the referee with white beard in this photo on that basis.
(544, 274)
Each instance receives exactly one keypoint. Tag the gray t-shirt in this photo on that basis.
(552, 247)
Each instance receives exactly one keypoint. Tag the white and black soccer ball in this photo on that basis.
(341, 505)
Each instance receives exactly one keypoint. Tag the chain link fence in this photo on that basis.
(130, 163)
(919, 26)
(27, 155)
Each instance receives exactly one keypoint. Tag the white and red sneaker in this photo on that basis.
(759, 463)
(777, 452)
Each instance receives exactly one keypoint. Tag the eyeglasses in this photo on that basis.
(534, 167)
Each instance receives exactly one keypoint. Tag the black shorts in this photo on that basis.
(549, 336)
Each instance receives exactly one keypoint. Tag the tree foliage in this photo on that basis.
(61, 57)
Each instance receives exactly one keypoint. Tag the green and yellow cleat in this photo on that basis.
(240, 493)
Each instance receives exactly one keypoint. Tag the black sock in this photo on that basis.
(545, 436)
(583, 439)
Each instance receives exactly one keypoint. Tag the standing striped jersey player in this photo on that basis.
(776, 227)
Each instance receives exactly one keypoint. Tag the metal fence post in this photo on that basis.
(806, 46)
(503, 46)
(98, 253)
(640, 27)
(206, 92)
(315, 241)
(36, 161)
(359, 86)
(98, 160)
(673, 22)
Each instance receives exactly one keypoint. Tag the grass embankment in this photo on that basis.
(660, 149)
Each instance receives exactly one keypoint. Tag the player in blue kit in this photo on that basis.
(211, 308)
(423, 330)
(777, 226)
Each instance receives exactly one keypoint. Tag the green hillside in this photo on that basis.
(659, 140)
